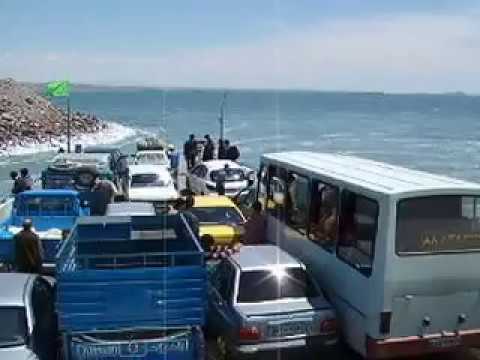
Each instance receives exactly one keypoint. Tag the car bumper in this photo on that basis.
(271, 350)
(416, 345)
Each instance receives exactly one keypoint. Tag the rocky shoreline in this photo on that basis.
(27, 118)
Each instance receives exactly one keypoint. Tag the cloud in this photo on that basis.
(402, 53)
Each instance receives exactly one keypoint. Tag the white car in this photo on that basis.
(29, 327)
(203, 177)
(152, 157)
(151, 183)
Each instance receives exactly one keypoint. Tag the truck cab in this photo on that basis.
(53, 214)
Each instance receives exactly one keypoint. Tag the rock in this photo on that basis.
(29, 100)
(7, 116)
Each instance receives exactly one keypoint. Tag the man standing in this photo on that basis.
(16, 182)
(28, 250)
(208, 149)
(189, 150)
(106, 191)
(26, 181)
(255, 227)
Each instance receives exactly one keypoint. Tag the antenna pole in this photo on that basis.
(222, 116)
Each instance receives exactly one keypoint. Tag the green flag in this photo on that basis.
(58, 88)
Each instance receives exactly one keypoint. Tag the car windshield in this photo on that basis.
(230, 175)
(151, 158)
(13, 331)
(438, 224)
(143, 180)
(217, 215)
(46, 205)
(276, 284)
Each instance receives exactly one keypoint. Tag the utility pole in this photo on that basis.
(68, 125)
(222, 116)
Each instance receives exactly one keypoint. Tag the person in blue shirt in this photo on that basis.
(173, 156)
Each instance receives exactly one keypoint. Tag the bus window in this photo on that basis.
(297, 206)
(324, 215)
(357, 231)
(277, 190)
(436, 224)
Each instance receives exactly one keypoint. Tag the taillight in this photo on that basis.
(328, 326)
(249, 333)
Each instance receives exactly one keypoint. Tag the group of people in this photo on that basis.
(21, 182)
(192, 150)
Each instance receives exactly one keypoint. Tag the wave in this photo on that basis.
(112, 134)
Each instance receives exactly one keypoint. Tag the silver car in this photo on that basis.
(262, 301)
(28, 328)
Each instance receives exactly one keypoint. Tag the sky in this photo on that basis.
(353, 45)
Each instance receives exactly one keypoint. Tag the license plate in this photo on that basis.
(288, 329)
(446, 342)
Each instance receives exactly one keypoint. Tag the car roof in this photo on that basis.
(129, 208)
(368, 174)
(213, 165)
(263, 257)
(100, 149)
(79, 157)
(48, 192)
(213, 201)
(14, 286)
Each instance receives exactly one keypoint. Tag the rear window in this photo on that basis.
(141, 180)
(269, 285)
(438, 224)
(230, 175)
(217, 215)
(51, 205)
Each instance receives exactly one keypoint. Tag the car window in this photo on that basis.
(13, 331)
(142, 180)
(275, 284)
(217, 215)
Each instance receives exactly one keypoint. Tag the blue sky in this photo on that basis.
(409, 45)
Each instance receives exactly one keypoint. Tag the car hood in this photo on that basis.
(222, 234)
(153, 193)
(283, 307)
(17, 353)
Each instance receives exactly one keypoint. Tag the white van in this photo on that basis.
(397, 250)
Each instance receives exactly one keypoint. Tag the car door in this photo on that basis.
(44, 332)
(221, 297)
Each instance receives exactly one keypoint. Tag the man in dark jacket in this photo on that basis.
(208, 149)
(25, 181)
(189, 151)
(28, 250)
(16, 182)
(232, 151)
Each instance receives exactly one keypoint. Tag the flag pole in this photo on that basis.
(68, 125)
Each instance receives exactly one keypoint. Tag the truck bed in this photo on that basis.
(139, 272)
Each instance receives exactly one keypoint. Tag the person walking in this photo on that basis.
(28, 250)
(105, 191)
(189, 151)
(208, 149)
(256, 226)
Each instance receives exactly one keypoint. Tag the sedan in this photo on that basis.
(263, 302)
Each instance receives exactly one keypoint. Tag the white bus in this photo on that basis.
(397, 251)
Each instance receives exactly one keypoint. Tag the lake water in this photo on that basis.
(437, 133)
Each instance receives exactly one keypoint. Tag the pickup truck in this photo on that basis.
(132, 288)
(53, 212)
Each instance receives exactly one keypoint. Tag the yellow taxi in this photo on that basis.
(219, 217)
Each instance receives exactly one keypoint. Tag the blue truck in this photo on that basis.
(53, 214)
(132, 288)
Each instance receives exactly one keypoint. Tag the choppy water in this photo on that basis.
(438, 133)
